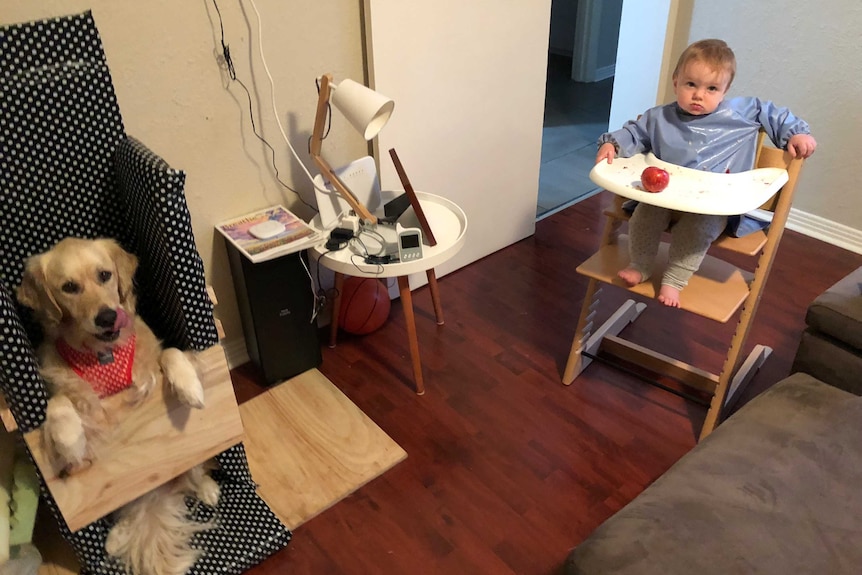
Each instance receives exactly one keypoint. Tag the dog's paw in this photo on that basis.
(71, 468)
(208, 491)
(64, 432)
(118, 538)
(182, 377)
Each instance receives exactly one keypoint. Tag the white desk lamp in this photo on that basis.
(367, 110)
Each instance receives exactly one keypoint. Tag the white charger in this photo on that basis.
(267, 229)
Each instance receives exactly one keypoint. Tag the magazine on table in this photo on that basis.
(269, 233)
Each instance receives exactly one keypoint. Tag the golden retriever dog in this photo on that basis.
(95, 345)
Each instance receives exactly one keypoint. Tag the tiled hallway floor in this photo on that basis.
(576, 114)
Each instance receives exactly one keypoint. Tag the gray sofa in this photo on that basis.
(831, 345)
(775, 489)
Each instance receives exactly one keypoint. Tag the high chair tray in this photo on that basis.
(691, 190)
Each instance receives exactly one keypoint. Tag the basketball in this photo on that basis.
(364, 305)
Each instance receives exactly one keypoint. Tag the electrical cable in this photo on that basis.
(316, 304)
(272, 98)
(374, 235)
(318, 299)
(379, 270)
(231, 69)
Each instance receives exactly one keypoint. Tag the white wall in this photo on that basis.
(175, 98)
(804, 55)
(468, 79)
(640, 57)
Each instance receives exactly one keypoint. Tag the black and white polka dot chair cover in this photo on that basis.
(68, 169)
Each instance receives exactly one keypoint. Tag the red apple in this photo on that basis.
(654, 179)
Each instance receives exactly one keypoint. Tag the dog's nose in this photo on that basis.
(106, 318)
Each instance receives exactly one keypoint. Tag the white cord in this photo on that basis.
(289, 145)
(313, 291)
(274, 108)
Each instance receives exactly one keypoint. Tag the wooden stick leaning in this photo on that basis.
(414, 201)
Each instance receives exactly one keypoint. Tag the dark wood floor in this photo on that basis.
(508, 469)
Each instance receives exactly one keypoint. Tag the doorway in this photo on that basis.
(583, 41)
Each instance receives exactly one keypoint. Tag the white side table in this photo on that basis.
(449, 225)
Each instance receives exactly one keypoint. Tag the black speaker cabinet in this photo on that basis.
(276, 303)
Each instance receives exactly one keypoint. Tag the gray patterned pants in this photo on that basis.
(691, 237)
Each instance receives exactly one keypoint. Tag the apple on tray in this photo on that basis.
(654, 179)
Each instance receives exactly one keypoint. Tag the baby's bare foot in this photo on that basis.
(669, 296)
(631, 276)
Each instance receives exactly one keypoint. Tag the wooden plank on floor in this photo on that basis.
(309, 446)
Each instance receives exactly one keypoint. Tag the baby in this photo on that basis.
(703, 131)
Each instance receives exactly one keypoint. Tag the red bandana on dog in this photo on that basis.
(105, 378)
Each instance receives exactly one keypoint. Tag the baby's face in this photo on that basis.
(699, 88)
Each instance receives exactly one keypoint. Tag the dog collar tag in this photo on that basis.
(105, 357)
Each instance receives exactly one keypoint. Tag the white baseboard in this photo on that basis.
(235, 351)
(560, 51)
(825, 230)
(605, 72)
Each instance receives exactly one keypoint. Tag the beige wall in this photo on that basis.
(804, 55)
(176, 98)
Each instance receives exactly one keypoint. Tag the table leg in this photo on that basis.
(336, 308)
(435, 295)
(409, 318)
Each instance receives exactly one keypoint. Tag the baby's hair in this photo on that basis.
(714, 53)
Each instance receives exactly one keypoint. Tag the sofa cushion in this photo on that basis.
(774, 489)
(838, 311)
(829, 360)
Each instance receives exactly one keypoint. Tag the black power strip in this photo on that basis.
(338, 238)
(341, 234)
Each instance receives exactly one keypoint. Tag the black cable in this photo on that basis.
(358, 240)
(232, 73)
(378, 270)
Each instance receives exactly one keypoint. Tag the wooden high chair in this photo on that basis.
(716, 291)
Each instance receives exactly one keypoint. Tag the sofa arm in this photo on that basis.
(837, 312)
(829, 360)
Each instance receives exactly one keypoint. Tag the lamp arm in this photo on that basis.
(315, 149)
(323, 96)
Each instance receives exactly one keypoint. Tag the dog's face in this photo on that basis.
(81, 290)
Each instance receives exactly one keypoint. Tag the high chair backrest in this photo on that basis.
(779, 204)
(768, 157)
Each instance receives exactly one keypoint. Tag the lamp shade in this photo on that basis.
(367, 110)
